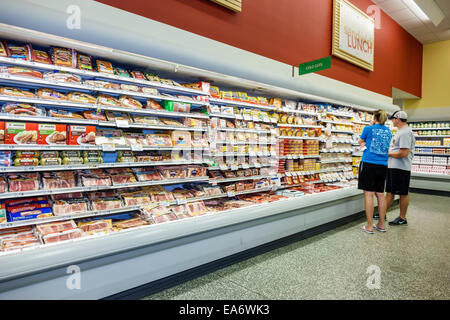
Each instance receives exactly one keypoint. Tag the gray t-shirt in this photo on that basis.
(404, 138)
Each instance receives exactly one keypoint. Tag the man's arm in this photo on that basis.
(403, 153)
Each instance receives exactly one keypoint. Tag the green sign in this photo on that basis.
(316, 65)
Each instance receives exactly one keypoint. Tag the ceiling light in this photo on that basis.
(432, 10)
(412, 5)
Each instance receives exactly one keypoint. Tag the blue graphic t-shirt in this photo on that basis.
(378, 138)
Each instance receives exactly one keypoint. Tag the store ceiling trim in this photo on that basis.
(426, 20)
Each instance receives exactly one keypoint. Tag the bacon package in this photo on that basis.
(70, 206)
(95, 177)
(46, 93)
(33, 208)
(136, 199)
(18, 51)
(23, 109)
(121, 175)
(147, 174)
(40, 56)
(64, 57)
(131, 223)
(102, 204)
(173, 172)
(103, 226)
(23, 182)
(21, 72)
(58, 180)
(17, 238)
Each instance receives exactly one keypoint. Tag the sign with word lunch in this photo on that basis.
(353, 34)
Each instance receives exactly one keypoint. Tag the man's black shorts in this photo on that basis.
(397, 181)
(371, 177)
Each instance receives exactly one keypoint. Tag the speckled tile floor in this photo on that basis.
(413, 262)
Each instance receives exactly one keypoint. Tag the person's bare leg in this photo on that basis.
(389, 200)
(404, 203)
(368, 205)
(381, 209)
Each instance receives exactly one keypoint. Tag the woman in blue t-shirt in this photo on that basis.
(375, 140)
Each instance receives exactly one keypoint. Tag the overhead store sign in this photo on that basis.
(235, 5)
(313, 66)
(353, 34)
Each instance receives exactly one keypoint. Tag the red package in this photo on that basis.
(2, 132)
(80, 135)
(4, 52)
(28, 207)
(21, 133)
(52, 134)
(138, 75)
(16, 202)
(40, 56)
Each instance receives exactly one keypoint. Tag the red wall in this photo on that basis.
(293, 32)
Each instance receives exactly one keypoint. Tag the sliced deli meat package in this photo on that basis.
(16, 92)
(64, 57)
(81, 97)
(40, 56)
(104, 66)
(21, 72)
(84, 62)
(24, 109)
(45, 93)
(60, 76)
(107, 100)
(19, 51)
(129, 102)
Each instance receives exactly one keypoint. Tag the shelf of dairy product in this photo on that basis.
(429, 125)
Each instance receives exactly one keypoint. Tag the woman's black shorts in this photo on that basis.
(372, 177)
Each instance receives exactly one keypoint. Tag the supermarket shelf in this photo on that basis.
(74, 215)
(241, 154)
(12, 195)
(334, 150)
(92, 147)
(429, 146)
(430, 175)
(337, 122)
(339, 114)
(240, 104)
(284, 125)
(243, 130)
(335, 161)
(308, 113)
(342, 141)
(431, 154)
(217, 181)
(93, 74)
(240, 166)
(425, 129)
(361, 122)
(298, 138)
(432, 164)
(240, 117)
(341, 131)
(301, 157)
(246, 142)
(96, 166)
(65, 103)
(357, 154)
(431, 136)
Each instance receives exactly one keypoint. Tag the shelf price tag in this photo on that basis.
(181, 201)
(108, 147)
(137, 147)
(122, 124)
(231, 194)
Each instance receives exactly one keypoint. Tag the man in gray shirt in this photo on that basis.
(401, 153)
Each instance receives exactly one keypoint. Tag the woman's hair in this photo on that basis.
(380, 116)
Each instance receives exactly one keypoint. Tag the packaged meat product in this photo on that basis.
(181, 211)
(152, 77)
(201, 85)
(94, 115)
(21, 72)
(62, 236)
(72, 161)
(121, 72)
(116, 115)
(50, 162)
(60, 76)
(123, 178)
(23, 182)
(154, 211)
(19, 240)
(197, 208)
(24, 201)
(107, 100)
(146, 120)
(18, 51)
(52, 134)
(171, 122)
(96, 177)
(4, 52)
(106, 136)
(196, 171)
(23, 109)
(58, 180)
(229, 174)
(45, 93)
(104, 66)
(70, 206)
(81, 97)
(5, 158)
(102, 84)
(181, 138)
(129, 87)
(64, 57)
(16, 92)
(129, 102)
(159, 140)
(80, 135)
(59, 113)
(2, 139)
(84, 62)
(147, 174)
(131, 223)
(152, 104)
(135, 139)
(26, 162)
(148, 90)
(103, 204)
(137, 75)
(173, 172)
(94, 227)
(176, 106)
(21, 133)
(102, 194)
(136, 199)
(195, 123)
(199, 140)
(3, 185)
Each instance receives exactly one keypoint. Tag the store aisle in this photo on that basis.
(413, 260)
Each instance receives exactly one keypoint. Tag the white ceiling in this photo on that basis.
(423, 31)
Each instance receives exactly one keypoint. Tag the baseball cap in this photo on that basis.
(399, 115)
